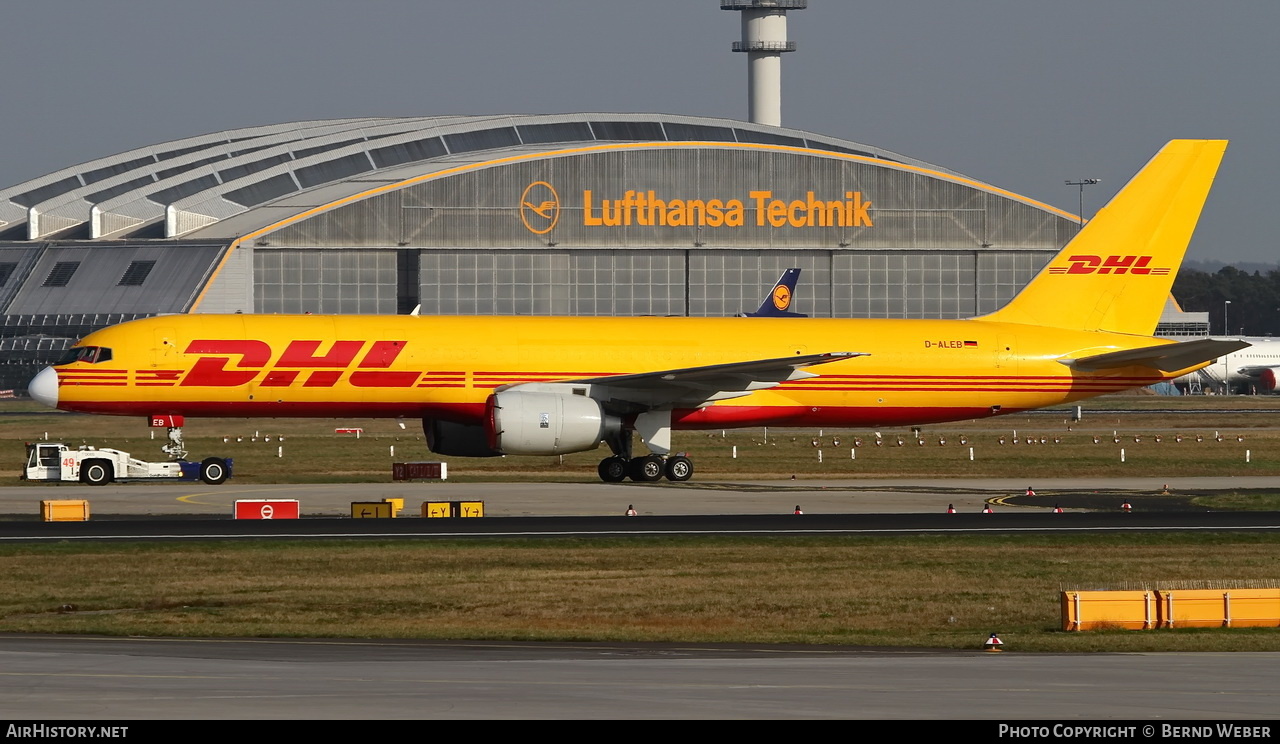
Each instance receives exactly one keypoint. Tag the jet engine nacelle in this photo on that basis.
(458, 440)
(542, 422)
(1268, 379)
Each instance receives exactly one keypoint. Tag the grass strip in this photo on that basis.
(931, 591)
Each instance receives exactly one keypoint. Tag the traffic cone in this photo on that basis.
(1057, 509)
(993, 644)
(987, 509)
(951, 508)
(1165, 490)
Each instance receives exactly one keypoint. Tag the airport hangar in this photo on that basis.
(573, 214)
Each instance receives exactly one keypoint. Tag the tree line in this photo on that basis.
(1254, 298)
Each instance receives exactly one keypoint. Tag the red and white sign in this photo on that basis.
(267, 509)
(166, 421)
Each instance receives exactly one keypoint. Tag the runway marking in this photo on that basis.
(124, 676)
(659, 648)
(190, 498)
(640, 533)
(629, 683)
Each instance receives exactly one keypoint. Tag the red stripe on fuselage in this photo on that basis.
(714, 417)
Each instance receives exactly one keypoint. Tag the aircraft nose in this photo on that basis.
(44, 387)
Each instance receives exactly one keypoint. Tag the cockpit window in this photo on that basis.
(90, 354)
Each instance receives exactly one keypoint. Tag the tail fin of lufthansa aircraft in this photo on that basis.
(1115, 275)
(778, 302)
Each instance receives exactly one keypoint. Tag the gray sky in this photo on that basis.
(1023, 95)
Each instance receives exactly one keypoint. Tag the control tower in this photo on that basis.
(764, 39)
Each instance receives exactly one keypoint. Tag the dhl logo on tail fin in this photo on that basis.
(1109, 265)
(1115, 275)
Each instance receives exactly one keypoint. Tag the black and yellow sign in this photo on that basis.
(452, 509)
(372, 510)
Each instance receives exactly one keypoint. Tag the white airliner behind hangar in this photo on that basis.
(1253, 369)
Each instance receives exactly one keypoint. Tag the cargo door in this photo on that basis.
(1007, 355)
(1006, 371)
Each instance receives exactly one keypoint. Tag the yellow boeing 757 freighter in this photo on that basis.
(487, 386)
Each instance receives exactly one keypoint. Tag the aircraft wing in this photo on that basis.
(696, 386)
(1164, 357)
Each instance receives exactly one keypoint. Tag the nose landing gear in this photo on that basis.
(176, 448)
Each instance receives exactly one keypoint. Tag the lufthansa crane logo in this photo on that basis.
(539, 207)
(781, 297)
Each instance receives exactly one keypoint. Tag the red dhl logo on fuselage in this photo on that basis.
(1109, 265)
(229, 363)
(365, 364)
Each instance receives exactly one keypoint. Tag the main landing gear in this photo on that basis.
(646, 469)
(655, 430)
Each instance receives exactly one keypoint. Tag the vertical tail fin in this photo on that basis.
(1115, 275)
(777, 304)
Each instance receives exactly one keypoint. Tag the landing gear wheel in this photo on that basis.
(96, 472)
(213, 470)
(613, 469)
(646, 469)
(679, 468)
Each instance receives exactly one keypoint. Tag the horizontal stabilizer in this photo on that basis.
(1164, 357)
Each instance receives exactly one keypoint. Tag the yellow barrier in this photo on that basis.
(71, 510)
(1221, 608)
(397, 505)
(1171, 608)
(1108, 610)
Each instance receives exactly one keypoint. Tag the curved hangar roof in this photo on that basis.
(227, 184)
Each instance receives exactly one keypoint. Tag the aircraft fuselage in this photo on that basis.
(915, 371)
